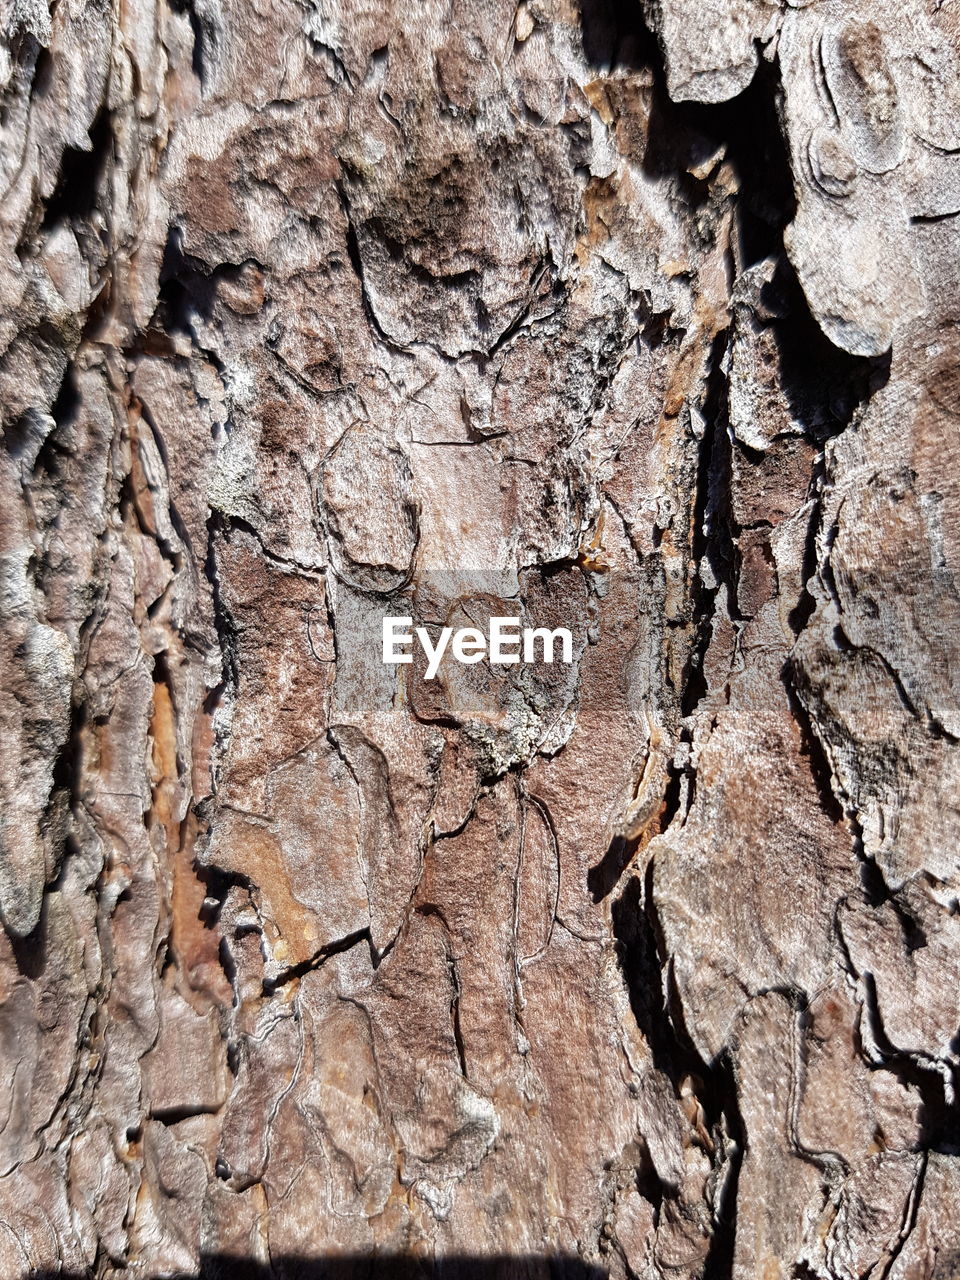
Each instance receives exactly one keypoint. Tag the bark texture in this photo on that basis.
(642, 320)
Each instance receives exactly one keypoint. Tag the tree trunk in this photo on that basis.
(638, 322)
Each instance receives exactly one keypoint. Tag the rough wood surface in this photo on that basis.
(642, 318)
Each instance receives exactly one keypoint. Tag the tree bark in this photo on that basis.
(635, 320)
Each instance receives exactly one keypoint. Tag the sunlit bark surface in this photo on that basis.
(636, 320)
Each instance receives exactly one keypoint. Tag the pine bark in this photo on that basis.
(637, 319)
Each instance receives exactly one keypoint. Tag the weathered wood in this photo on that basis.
(639, 320)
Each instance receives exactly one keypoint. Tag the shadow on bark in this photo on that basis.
(360, 1267)
(615, 35)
